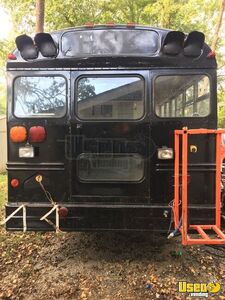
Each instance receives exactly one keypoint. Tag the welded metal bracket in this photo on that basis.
(181, 138)
(23, 207)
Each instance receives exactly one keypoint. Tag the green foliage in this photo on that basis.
(2, 98)
(3, 189)
(22, 13)
(174, 14)
(61, 14)
(85, 89)
(221, 101)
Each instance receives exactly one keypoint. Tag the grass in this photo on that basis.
(3, 189)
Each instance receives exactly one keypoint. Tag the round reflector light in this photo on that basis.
(63, 212)
(37, 134)
(18, 134)
(15, 183)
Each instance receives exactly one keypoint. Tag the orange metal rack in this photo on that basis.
(204, 238)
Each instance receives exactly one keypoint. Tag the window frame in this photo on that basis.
(42, 116)
(108, 75)
(154, 78)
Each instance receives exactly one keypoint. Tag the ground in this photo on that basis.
(102, 265)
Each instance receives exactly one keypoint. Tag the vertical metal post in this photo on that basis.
(176, 178)
(218, 179)
(24, 218)
(57, 218)
(184, 187)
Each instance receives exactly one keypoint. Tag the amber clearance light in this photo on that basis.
(18, 134)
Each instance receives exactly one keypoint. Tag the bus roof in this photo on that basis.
(112, 46)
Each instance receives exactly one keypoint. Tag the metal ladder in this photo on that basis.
(181, 138)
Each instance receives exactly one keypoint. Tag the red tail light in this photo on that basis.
(37, 134)
(14, 183)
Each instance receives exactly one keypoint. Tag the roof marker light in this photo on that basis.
(110, 24)
(11, 56)
(131, 24)
(89, 24)
(211, 54)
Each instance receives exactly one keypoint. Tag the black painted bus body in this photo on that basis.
(107, 205)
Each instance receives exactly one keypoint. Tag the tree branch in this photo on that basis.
(218, 26)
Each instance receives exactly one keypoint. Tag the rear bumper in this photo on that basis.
(100, 216)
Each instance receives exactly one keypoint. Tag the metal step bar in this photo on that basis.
(181, 139)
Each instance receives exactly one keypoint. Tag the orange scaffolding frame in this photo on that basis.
(220, 155)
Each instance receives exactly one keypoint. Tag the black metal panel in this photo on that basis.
(201, 187)
(50, 155)
(152, 57)
(105, 217)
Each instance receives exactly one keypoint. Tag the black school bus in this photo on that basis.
(92, 112)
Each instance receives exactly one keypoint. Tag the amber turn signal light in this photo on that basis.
(18, 134)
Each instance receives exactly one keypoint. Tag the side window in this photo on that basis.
(173, 107)
(189, 101)
(203, 96)
(110, 98)
(40, 96)
(182, 96)
(189, 94)
(179, 105)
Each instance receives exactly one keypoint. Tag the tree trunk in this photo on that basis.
(218, 26)
(40, 15)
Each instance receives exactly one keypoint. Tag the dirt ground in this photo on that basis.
(103, 265)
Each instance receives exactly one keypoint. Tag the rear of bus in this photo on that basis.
(91, 123)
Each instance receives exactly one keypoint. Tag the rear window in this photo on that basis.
(110, 167)
(40, 96)
(110, 42)
(111, 98)
(182, 96)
